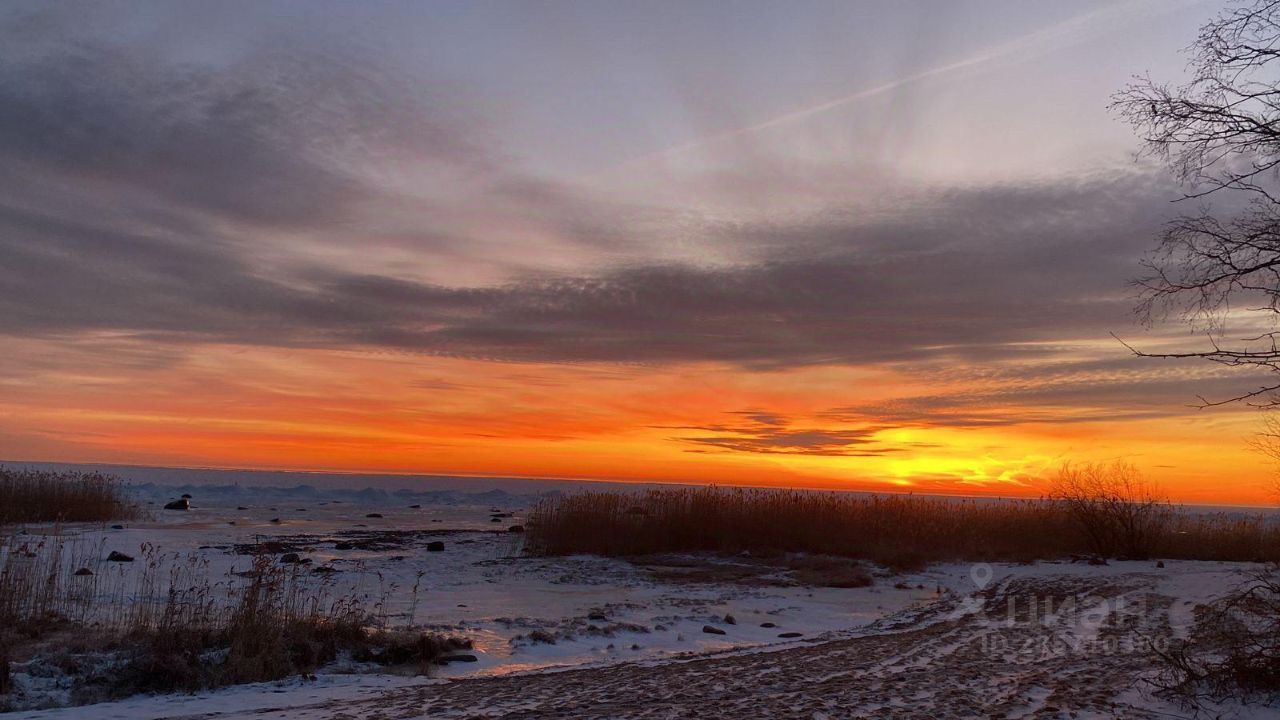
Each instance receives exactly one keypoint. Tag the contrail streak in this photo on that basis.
(1072, 31)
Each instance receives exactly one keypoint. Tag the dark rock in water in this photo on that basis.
(790, 635)
(496, 519)
(186, 496)
(275, 521)
(435, 546)
(598, 616)
(415, 507)
(712, 630)
(117, 527)
(290, 558)
(767, 625)
(457, 657)
(516, 529)
(231, 522)
(1159, 563)
(324, 569)
(117, 556)
(180, 504)
(342, 546)
(730, 620)
(83, 571)
(242, 508)
(301, 510)
(374, 515)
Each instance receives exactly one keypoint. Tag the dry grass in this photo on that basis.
(173, 626)
(897, 531)
(71, 496)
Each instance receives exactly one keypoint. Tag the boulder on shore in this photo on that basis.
(179, 504)
(712, 630)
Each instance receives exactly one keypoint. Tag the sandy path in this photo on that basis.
(955, 659)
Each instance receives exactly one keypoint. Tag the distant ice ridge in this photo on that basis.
(224, 494)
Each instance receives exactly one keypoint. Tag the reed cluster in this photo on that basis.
(898, 531)
(70, 496)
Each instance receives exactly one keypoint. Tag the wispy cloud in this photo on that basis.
(1058, 36)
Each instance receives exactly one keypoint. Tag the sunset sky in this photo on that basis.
(849, 244)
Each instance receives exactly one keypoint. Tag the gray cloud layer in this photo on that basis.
(136, 197)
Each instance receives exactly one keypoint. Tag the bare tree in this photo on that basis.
(1219, 133)
(1120, 512)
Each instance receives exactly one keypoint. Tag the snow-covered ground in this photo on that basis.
(481, 586)
(607, 617)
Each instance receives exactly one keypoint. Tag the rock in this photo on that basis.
(231, 522)
(495, 519)
(767, 625)
(457, 657)
(435, 546)
(179, 504)
(290, 558)
(1160, 563)
(117, 556)
(324, 569)
(82, 572)
(415, 507)
(242, 508)
(117, 527)
(275, 521)
(598, 616)
(712, 630)
(374, 515)
(790, 635)
(730, 620)
(516, 529)
(342, 546)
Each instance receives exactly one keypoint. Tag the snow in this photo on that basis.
(602, 612)
(482, 587)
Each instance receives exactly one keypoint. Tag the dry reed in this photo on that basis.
(899, 531)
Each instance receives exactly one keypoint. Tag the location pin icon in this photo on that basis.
(981, 574)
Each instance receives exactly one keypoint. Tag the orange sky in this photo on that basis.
(602, 240)
(247, 407)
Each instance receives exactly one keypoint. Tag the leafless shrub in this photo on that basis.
(1120, 512)
(1233, 650)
